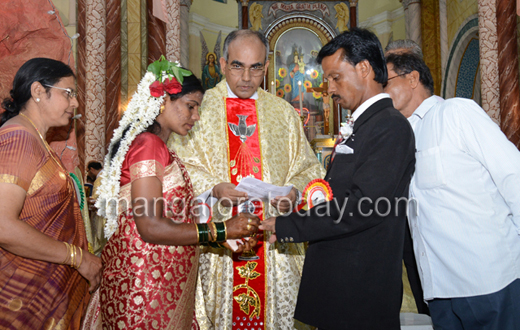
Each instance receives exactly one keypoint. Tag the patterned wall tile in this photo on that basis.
(134, 38)
(134, 11)
(134, 69)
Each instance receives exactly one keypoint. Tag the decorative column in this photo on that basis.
(430, 36)
(185, 33)
(487, 26)
(95, 68)
(113, 69)
(443, 25)
(412, 16)
(156, 34)
(508, 70)
(173, 30)
(353, 13)
(81, 73)
(245, 14)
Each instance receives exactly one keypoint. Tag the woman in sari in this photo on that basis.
(151, 257)
(46, 271)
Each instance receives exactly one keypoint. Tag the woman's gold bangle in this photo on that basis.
(67, 255)
(198, 234)
(213, 237)
(80, 258)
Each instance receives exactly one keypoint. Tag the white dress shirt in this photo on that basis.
(466, 228)
(365, 105)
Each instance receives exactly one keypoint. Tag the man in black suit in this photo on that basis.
(352, 273)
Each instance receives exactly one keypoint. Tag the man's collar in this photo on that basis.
(365, 105)
(232, 95)
(426, 105)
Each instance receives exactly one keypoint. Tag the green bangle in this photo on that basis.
(221, 231)
(203, 232)
(215, 245)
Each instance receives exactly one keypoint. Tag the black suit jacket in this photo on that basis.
(353, 266)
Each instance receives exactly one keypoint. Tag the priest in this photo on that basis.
(247, 132)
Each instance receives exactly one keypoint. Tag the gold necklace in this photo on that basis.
(44, 142)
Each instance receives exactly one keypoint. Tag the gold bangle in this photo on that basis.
(71, 255)
(198, 234)
(214, 237)
(81, 257)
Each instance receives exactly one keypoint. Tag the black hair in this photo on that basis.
(358, 45)
(95, 165)
(190, 84)
(407, 62)
(46, 71)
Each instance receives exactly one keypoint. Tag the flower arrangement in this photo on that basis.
(317, 95)
(287, 88)
(314, 74)
(170, 77)
(277, 83)
(280, 93)
(307, 84)
(161, 76)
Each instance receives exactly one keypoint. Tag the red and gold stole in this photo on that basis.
(245, 159)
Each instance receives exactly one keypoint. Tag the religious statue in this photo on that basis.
(255, 16)
(296, 72)
(211, 74)
(342, 14)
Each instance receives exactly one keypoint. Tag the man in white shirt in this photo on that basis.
(466, 223)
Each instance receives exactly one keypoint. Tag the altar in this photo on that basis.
(296, 32)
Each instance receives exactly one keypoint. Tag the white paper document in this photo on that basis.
(258, 189)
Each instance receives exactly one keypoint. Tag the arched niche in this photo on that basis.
(305, 35)
(462, 74)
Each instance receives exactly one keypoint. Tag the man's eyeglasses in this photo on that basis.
(238, 70)
(399, 75)
(70, 92)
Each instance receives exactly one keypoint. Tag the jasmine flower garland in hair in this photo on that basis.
(142, 110)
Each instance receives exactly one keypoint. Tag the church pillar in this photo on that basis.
(412, 16)
(113, 68)
(508, 70)
(81, 60)
(430, 37)
(245, 14)
(173, 30)
(185, 33)
(443, 25)
(95, 68)
(156, 34)
(353, 13)
(487, 26)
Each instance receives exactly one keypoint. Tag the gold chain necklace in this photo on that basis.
(44, 142)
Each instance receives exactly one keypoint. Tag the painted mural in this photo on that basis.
(263, 13)
(211, 73)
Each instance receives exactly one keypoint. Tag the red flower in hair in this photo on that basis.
(172, 86)
(156, 89)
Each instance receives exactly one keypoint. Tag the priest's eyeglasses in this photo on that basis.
(70, 92)
(238, 70)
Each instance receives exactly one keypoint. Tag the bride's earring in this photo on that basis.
(161, 110)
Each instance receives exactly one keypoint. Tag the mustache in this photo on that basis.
(335, 96)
